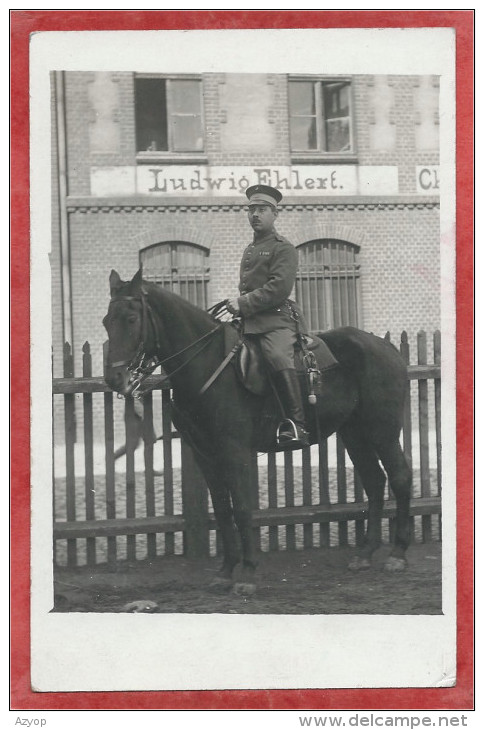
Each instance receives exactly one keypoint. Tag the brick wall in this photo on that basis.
(399, 239)
(400, 272)
(55, 258)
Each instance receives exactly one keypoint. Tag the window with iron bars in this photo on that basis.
(181, 267)
(328, 284)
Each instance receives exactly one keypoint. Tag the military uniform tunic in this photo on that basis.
(267, 276)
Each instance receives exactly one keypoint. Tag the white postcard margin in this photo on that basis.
(102, 652)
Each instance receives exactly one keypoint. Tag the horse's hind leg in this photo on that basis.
(400, 479)
(365, 460)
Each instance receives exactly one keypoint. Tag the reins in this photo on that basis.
(141, 366)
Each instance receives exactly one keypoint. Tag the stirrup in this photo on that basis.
(296, 441)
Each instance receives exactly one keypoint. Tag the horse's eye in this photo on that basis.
(132, 319)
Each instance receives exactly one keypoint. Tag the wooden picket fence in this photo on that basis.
(318, 501)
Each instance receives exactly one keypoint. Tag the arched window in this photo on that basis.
(328, 284)
(179, 266)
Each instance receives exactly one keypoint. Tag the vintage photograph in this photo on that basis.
(250, 307)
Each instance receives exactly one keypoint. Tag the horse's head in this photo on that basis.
(124, 325)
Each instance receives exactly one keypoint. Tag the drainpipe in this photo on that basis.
(65, 254)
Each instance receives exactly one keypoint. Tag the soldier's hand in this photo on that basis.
(233, 306)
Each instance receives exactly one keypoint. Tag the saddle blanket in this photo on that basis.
(251, 368)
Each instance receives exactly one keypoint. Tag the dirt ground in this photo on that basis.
(314, 581)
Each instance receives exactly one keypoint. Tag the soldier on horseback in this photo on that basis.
(267, 276)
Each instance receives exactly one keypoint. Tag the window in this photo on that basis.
(181, 267)
(168, 115)
(320, 116)
(328, 284)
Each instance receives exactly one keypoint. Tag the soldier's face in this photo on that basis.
(262, 217)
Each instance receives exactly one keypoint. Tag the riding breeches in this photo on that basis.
(278, 348)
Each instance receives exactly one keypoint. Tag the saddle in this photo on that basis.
(252, 370)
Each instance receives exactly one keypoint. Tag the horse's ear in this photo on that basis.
(136, 282)
(114, 281)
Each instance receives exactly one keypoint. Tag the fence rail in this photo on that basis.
(300, 501)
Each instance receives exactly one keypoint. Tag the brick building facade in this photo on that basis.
(356, 159)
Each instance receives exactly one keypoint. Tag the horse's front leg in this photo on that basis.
(222, 507)
(206, 459)
(237, 472)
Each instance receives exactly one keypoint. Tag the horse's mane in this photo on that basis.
(191, 310)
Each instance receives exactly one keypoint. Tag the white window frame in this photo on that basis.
(171, 154)
(320, 153)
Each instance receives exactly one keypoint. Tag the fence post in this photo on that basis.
(196, 539)
(132, 435)
(438, 419)
(407, 418)
(254, 497)
(289, 497)
(307, 495)
(109, 462)
(323, 473)
(167, 439)
(341, 487)
(407, 412)
(423, 423)
(149, 441)
(272, 497)
(88, 452)
(391, 520)
(70, 436)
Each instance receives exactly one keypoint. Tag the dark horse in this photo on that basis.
(362, 399)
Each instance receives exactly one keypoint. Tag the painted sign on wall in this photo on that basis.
(218, 181)
(428, 179)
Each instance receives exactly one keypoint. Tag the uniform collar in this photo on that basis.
(273, 234)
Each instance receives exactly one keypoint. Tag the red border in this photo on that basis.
(24, 22)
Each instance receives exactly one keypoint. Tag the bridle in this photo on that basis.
(141, 365)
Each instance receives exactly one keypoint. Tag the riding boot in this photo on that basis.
(292, 432)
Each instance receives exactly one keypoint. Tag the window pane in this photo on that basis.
(337, 117)
(185, 97)
(336, 100)
(301, 97)
(338, 135)
(187, 134)
(151, 126)
(303, 133)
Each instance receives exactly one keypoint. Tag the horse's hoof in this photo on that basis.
(395, 565)
(220, 583)
(357, 563)
(244, 589)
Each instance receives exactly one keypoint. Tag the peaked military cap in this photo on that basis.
(263, 194)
